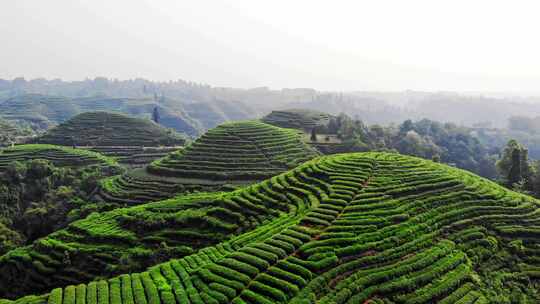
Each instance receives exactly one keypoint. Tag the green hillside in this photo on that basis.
(232, 153)
(110, 129)
(58, 155)
(297, 119)
(349, 228)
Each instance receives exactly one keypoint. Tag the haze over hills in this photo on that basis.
(192, 108)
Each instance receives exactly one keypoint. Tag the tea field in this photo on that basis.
(347, 228)
(233, 153)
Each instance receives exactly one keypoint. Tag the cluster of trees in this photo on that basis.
(447, 143)
(37, 198)
(10, 134)
(444, 142)
(517, 171)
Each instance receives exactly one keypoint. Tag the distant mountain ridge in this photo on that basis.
(44, 111)
(204, 106)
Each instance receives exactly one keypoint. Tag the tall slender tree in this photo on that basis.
(514, 175)
(313, 135)
(155, 115)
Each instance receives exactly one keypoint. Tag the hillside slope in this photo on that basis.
(110, 129)
(232, 153)
(350, 228)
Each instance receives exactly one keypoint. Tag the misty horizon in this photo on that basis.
(353, 46)
(486, 94)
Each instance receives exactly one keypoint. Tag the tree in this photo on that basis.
(514, 165)
(333, 125)
(514, 175)
(406, 126)
(313, 135)
(155, 115)
(535, 178)
(525, 168)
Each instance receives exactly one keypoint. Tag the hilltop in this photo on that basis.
(232, 153)
(110, 129)
(303, 119)
(349, 228)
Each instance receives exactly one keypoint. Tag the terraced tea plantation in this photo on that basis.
(349, 228)
(58, 155)
(297, 119)
(110, 129)
(232, 153)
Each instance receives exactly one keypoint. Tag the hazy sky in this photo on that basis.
(329, 45)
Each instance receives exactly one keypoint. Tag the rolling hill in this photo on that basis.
(58, 155)
(348, 228)
(232, 153)
(297, 119)
(110, 129)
